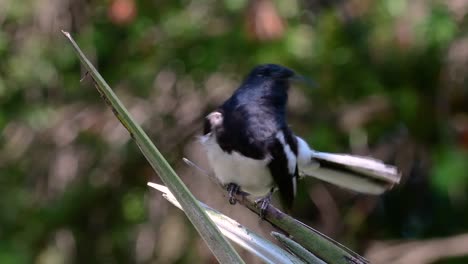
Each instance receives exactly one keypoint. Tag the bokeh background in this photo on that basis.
(392, 83)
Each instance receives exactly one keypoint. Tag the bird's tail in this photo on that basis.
(361, 174)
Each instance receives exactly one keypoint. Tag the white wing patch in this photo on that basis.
(292, 159)
(290, 156)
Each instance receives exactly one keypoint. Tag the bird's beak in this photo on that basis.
(302, 79)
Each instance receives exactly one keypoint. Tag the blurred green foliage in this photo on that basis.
(392, 83)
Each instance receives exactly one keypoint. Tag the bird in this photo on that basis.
(253, 151)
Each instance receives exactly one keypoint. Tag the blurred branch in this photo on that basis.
(356, 115)
(330, 219)
(263, 21)
(220, 247)
(424, 251)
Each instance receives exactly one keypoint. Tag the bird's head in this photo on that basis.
(271, 71)
(269, 83)
(278, 74)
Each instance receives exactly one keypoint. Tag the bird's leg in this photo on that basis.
(232, 189)
(263, 203)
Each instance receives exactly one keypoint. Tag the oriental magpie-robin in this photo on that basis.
(250, 146)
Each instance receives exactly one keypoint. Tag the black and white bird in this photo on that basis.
(250, 146)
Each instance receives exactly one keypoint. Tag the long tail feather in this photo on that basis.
(361, 174)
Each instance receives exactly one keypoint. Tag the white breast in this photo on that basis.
(251, 175)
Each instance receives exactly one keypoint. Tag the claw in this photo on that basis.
(232, 200)
(262, 204)
(232, 189)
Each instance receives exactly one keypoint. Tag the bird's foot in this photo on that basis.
(263, 204)
(233, 189)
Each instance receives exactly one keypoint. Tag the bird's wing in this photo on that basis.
(361, 174)
(283, 165)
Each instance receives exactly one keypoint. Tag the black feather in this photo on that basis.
(253, 116)
(280, 173)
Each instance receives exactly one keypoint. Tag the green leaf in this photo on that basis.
(450, 169)
(216, 242)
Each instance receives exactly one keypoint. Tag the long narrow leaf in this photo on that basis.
(317, 243)
(220, 247)
(297, 249)
(264, 249)
(310, 239)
